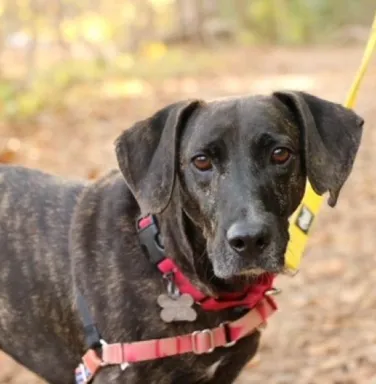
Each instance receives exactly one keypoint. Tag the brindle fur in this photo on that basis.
(57, 235)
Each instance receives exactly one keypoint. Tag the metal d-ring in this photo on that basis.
(273, 292)
(172, 289)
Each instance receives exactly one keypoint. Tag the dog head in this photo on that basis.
(240, 166)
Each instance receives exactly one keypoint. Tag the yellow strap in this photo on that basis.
(301, 220)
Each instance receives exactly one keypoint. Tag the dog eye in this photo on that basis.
(202, 163)
(280, 155)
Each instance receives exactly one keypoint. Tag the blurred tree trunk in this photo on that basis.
(149, 27)
(280, 21)
(211, 7)
(59, 19)
(241, 8)
(31, 50)
(143, 28)
(199, 34)
(192, 16)
(184, 17)
(3, 33)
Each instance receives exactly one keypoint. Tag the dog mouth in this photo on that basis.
(252, 272)
(230, 268)
(248, 273)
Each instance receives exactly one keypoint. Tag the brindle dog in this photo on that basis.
(222, 177)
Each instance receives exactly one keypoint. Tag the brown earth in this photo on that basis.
(325, 331)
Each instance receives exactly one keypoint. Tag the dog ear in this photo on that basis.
(147, 155)
(331, 136)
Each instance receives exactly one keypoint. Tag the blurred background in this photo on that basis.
(74, 74)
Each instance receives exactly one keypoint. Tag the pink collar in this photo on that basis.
(256, 298)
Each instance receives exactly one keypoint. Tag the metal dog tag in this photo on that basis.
(177, 309)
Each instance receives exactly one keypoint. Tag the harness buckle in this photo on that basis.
(102, 342)
(150, 239)
(123, 366)
(211, 340)
(226, 328)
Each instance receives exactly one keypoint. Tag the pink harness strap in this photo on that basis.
(198, 342)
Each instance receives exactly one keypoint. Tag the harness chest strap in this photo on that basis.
(198, 342)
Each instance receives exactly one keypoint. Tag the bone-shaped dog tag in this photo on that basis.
(179, 309)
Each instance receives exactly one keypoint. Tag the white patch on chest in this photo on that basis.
(210, 372)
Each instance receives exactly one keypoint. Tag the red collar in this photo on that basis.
(101, 354)
(151, 240)
(247, 299)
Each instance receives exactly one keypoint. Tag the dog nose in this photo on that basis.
(248, 239)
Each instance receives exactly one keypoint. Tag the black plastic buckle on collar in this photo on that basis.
(151, 240)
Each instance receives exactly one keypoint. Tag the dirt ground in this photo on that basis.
(325, 331)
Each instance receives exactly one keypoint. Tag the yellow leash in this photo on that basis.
(302, 219)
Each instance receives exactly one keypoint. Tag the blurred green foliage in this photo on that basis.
(48, 46)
